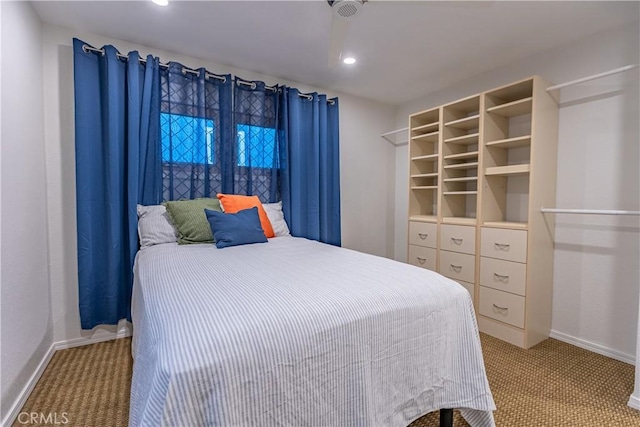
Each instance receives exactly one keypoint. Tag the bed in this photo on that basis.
(298, 333)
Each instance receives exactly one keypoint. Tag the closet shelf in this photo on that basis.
(469, 139)
(511, 109)
(428, 157)
(506, 224)
(425, 175)
(427, 127)
(469, 165)
(517, 142)
(507, 170)
(459, 220)
(459, 193)
(465, 123)
(425, 187)
(423, 218)
(430, 137)
(461, 179)
(466, 155)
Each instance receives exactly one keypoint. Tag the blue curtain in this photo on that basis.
(310, 181)
(253, 161)
(196, 129)
(118, 165)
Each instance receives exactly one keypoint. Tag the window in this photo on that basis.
(256, 147)
(187, 139)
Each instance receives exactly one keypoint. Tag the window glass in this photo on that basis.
(256, 146)
(187, 139)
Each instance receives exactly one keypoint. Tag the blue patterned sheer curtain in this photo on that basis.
(117, 166)
(196, 126)
(255, 159)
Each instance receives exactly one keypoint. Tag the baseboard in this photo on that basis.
(13, 412)
(594, 347)
(634, 402)
(100, 336)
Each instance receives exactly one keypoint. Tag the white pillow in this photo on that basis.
(276, 217)
(154, 226)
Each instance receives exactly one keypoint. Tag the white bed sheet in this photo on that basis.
(297, 333)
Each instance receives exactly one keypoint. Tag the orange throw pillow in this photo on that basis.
(232, 203)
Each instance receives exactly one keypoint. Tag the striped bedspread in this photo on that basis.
(297, 333)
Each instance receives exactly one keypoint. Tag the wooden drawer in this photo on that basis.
(503, 275)
(423, 234)
(510, 245)
(458, 238)
(502, 306)
(422, 257)
(457, 266)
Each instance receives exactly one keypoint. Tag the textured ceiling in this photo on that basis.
(404, 49)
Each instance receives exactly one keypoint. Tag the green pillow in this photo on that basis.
(189, 218)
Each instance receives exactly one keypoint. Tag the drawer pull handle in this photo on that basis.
(501, 309)
(421, 260)
(456, 268)
(423, 236)
(501, 277)
(502, 246)
(456, 241)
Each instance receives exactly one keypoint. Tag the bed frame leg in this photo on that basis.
(446, 417)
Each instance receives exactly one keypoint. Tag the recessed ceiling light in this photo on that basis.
(161, 2)
(349, 60)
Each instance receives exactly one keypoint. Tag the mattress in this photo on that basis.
(298, 333)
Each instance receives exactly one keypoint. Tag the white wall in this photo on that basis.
(596, 274)
(26, 334)
(366, 178)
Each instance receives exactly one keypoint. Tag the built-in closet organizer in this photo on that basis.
(493, 168)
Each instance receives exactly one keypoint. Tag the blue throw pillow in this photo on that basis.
(232, 229)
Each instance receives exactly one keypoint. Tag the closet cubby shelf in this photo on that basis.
(458, 193)
(425, 175)
(428, 157)
(517, 142)
(425, 187)
(506, 224)
(461, 179)
(458, 220)
(469, 139)
(465, 123)
(465, 155)
(431, 137)
(423, 218)
(507, 170)
(427, 127)
(469, 165)
(512, 109)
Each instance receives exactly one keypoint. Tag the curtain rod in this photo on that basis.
(87, 49)
(273, 88)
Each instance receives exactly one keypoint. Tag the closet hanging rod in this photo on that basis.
(87, 48)
(593, 77)
(588, 211)
(393, 132)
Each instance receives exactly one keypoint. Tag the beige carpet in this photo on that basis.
(553, 384)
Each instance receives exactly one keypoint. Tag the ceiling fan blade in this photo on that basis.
(337, 36)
